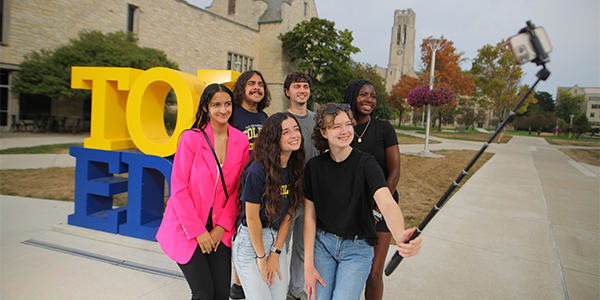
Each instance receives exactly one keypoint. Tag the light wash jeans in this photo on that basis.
(244, 259)
(297, 284)
(343, 264)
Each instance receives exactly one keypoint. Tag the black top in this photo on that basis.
(248, 122)
(343, 193)
(379, 136)
(253, 189)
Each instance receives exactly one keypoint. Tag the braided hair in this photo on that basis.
(352, 93)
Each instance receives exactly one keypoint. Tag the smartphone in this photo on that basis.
(522, 49)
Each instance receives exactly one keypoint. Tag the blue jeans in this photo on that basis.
(244, 259)
(343, 264)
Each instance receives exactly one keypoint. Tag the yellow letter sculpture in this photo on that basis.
(110, 87)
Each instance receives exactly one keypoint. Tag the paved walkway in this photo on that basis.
(525, 226)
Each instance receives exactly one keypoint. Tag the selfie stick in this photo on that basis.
(542, 59)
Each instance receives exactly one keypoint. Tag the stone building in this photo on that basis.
(591, 106)
(402, 48)
(230, 34)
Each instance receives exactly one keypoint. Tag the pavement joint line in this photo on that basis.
(105, 259)
(556, 250)
(581, 169)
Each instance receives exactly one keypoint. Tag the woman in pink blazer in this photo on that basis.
(199, 219)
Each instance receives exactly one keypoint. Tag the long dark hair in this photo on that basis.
(239, 90)
(203, 117)
(267, 153)
(352, 93)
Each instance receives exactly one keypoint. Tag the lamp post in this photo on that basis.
(571, 126)
(556, 130)
(434, 44)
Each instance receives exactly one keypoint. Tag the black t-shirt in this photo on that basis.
(379, 136)
(248, 122)
(253, 189)
(343, 193)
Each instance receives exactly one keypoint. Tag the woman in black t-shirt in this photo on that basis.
(341, 188)
(270, 192)
(377, 138)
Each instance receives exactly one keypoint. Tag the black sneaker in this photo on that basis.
(236, 292)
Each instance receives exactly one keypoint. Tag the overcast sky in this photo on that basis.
(573, 28)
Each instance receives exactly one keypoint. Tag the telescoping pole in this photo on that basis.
(396, 258)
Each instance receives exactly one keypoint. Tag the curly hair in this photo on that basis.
(267, 153)
(352, 93)
(239, 90)
(202, 116)
(324, 120)
(295, 77)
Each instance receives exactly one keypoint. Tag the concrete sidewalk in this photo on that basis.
(525, 226)
(35, 161)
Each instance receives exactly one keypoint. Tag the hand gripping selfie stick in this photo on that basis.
(541, 59)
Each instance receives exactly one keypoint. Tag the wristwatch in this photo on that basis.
(273, 249)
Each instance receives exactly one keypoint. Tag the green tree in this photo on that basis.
(568, 104)
(545, 101)
(48, 72)
(581, 125)
(497, 80)
(384, 109)
(325, 52)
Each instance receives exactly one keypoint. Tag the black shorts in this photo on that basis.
(381, 226)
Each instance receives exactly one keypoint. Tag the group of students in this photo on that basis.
(237, 195)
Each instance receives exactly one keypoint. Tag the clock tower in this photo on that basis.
(402, 47)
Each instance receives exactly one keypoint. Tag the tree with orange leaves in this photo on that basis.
(397, 97)
(447, 73)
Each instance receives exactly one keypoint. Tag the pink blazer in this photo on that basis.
(193, 180)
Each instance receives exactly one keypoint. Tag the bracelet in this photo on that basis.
(261, 257)
(377, 215)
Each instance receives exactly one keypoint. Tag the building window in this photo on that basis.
(594, 105)
(231, 8)
(592, 115)
(305, 4)
(4, 13)
(132, 16)
(238, 63)
(594, 99)
(4, 91)
(399, 35)
(404, 35)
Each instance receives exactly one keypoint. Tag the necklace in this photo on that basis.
(363, 133)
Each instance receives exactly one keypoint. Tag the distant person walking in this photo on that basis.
(501, 133)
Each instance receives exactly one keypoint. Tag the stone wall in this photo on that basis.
(193, 37)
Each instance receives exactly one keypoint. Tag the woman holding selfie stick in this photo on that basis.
(199, 219)
(377, 138)
(342, 187)
(270, 193)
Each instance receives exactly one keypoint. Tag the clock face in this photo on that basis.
(399, 52)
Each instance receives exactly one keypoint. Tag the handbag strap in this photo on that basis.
(218, 166)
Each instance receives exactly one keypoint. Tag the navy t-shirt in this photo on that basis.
(248, 122)
(253, 189)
